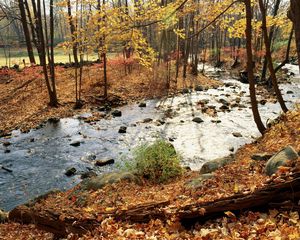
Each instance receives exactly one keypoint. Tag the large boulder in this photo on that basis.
(215, 164)
(282, 158)
(198, 182)
(100, 181)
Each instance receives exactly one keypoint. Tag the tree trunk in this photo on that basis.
(294, 15)
(250, 67)
(269, 57)
(26, 32)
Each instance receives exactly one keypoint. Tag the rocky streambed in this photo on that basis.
(201, 124)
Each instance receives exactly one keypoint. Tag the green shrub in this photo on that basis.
(157, 162)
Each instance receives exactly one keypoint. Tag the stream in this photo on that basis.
(40, 157)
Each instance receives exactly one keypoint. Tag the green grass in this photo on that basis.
(157, 162)
(17, 56)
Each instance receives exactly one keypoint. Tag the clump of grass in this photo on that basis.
(157, 162)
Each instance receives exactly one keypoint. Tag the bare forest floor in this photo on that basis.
(24, 98)
(240, 177)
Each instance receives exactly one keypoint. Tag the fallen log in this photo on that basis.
(51, 221)
(48, 220)
(288, 190)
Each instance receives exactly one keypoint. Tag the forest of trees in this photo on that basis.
(178, 35)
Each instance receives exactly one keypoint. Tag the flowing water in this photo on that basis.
(39, 158)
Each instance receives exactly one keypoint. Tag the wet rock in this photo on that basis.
(263, 102)
(7, 151)
(116, 113)
(215, 164)
(53, 120)
(216, 121)
(199, 88)
(99, 182)
(147, 120)
(261, 156)
(162, 122)
(289, 92)
(171, 139)
(181, 121)
(3, 216)
(237, 134)
(103, 162)
(198, 182)
(197, 120)
(88, 174)
(224, 102)
(229, 84)
(224, 107)
(6, 144)
(31, 140)
(70, 172)
(203, 101)
(231, 149)
(122, 129)
(142, 105)
(234, 105)
(75, 143)
(242, 106)
(282, 158)
(185, 90)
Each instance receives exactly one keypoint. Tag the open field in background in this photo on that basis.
(18, 54)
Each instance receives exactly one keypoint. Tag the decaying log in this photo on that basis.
(288, 190)
(52, 222)
(143, 212)
(272, 193)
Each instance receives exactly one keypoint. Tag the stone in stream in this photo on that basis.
(116, 113)
(263, 102)
(199, 88)
(215, 164)
(7, 151)
(88, 174)
(237, 134)
(122, 129)
(142, 105)
(261, 156)
(224, 107)
(216, 121)
(224, 102)
(185, 90)
(147, 120)
(198, 182)
(100, 181)
(289, 92)
(197, 120)
(53, 120)
(70, 172)
(6, 144)
(3, 216)
(229, 84)
(75, 143)
(231, 149)
(103, 162)
(31, 140)
(282, 158)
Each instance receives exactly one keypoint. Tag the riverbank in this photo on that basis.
(24, 98)
(243, 176)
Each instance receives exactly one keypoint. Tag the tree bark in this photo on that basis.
(250, 67)
(26, 32)
(269, 57)
(294, 15)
